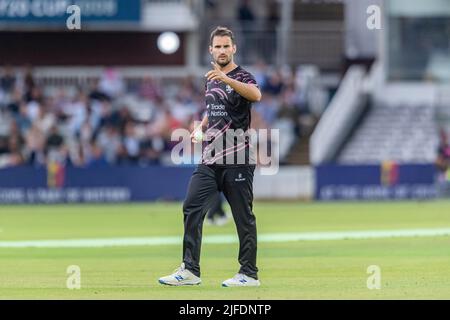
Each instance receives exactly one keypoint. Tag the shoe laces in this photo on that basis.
(180, 269)
(239, 276)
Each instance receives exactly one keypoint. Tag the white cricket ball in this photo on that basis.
(198, 135)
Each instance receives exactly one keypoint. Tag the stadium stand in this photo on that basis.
(386, 133)
(113, 121)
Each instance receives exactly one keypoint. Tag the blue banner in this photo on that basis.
(55, 11)
(105, 184)
(375, 182)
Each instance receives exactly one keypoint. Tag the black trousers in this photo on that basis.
(236, 183)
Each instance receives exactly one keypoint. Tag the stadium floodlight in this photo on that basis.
(168, 42)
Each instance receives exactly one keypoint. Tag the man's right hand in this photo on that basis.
(194, 136)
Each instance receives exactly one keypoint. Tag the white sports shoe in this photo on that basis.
(241, 280)
(180, 277)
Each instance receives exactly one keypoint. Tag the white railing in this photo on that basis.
(339, 117)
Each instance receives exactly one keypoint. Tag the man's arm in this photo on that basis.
(203, 125)
(247, 90)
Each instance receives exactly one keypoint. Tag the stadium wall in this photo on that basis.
(291, 182)
(57, 184)
(386, 181)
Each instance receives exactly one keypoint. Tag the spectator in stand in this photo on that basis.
(53, 145)
(260, 72)
(121, 118)
(111, 83)
(149, 89)
(76, 112)
(11, 143)
(110, 141)
(7, 79)
(95, 157)
(274, 84)
(28, 83)
(15, 150)
(268, 108)
(131, 143)
(149, 152)
(35, 145)
(45, 120)
(22, 119)
(13, 105)
(95, 125)
(96, 93)
(33, 103)
(171, 124)
(288, 109)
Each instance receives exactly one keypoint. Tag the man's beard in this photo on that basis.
(223, 64)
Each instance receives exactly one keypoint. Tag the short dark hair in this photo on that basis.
(221, 32)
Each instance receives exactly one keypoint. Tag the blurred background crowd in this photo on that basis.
(115, 122)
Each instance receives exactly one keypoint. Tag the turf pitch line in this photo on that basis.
(226, 239)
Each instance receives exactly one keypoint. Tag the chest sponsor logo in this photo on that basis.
(217, 110)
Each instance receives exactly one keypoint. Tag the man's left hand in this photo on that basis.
(216, 74)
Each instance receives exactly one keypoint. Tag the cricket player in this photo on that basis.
(227, 164)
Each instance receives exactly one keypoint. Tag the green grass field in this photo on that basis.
(411, 267)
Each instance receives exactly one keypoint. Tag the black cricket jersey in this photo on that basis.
(229, 115)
